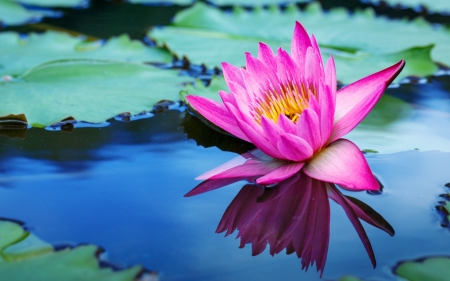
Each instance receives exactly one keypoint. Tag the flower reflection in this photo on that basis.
(292, 215)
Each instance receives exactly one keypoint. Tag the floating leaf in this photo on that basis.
(12, 13)
(430, 269)
(435, 6)
(253, 2)
(389, 127)
(26, 257)
(374, 45)
(18, 53)
(87, 90)
(55, 3)
(162, 2)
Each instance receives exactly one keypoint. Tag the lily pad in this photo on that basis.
(162, 2)
(436, 6)
(430, 269)
(254, 2)
(87, 90)
(376, 43)
(55, 3)
(389, 127)
(12, 13)
(26, 257)
(19, 53)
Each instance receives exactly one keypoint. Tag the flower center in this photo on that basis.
(290, 100)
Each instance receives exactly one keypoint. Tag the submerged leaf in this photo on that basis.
(17, 53)
(430, 269)
(374, 45)
(26, 257)
(88, 90)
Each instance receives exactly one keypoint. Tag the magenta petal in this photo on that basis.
(280, 173)
(266, 55)
(260, 72)
(294, 148)
(342, 163)
(308, 128)
(330, 75)
(355, 101)
(232, 73)
(255, 135)
(216, 113)
(299, 45)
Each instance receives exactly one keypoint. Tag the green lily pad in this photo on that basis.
(17, 53)
(389, 127)
(349, 278)
(435, 6)
(430, 269)
(87, 90)
(374, 45)
(254, 2)
(12, 13)
(165, 2)
(447, 208)
(26, 257)
(55, 3)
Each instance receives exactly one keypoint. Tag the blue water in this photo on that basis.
(121, 187)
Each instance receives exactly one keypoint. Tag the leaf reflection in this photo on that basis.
(293, 215)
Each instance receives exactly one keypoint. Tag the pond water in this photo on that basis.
(121, 187)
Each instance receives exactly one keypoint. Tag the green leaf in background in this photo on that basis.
(17, 54)
(254, 2)
(429, 269)
(54, 3)
(374, 45)
(12, 13)
(349, 278)
(26, 257)
(435, 6)
(447, 208)
(389, 127)
(164, 2)
(87, 90)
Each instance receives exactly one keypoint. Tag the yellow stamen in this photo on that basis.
(290, 100)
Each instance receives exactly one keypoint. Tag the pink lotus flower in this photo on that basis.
(294, 215)
(288, 106)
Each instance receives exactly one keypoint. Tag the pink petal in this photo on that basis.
(327, 102)
(342, 163)
(280, 173)
(313, 65)
(260, 72)
(232, 73)
(330, 75)
(287, 70)
(294, 148)
(299, 45)
(308, 128)
(266, 55)
(355, 101)
(216, 113)
(209, 185)
(236, 161)
(286, 124)
(254, 134)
